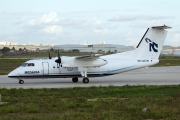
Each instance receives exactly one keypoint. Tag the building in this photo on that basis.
(29, 47)
(95, 48)
(170, 50)
(176, 52)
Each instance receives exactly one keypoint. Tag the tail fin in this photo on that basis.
(151, 43)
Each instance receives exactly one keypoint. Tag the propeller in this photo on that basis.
(49, 55)
(59, 59)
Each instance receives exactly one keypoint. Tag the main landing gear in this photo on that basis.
(75, 79)
(85, 80)
(21, 81)
(84, 75)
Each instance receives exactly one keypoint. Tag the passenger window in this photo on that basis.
(31, 64)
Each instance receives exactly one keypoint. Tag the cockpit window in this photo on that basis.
(27, 64)
(30, 64)
(24, 64)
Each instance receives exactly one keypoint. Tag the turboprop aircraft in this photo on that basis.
(146, 54)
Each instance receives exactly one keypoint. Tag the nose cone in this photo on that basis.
(13, 74)
(10, 74)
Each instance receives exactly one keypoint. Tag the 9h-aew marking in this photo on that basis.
(145, 60)
(152, 45)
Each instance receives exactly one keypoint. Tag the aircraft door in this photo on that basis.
(45, 68)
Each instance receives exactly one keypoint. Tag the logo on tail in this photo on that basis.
(152, 45)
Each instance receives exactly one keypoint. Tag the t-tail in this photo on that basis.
(152, 42)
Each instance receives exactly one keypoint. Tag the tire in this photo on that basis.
(21, 81)
(75, 79)
(85, 80)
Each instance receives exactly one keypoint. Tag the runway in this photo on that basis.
(144, 76)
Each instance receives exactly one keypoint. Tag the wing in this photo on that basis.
(89, 57)
(86, 61)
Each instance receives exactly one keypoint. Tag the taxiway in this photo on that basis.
(144, 76)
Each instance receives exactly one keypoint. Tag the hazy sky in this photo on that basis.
(86, 21)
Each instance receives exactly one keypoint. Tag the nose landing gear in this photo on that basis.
(21, 81)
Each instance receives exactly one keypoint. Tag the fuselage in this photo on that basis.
(48, 68)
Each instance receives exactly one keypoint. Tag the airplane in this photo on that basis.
(146, 54)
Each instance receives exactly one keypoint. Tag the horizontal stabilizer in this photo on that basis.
(162, 27)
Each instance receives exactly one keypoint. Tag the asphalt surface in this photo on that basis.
(144, 76)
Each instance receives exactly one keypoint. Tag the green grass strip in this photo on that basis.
(102, 103)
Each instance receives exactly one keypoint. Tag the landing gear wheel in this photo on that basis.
(85, 80)
(21, 81)
(75, 79)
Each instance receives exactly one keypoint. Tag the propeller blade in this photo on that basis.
(49, 55)
(59, 59)
(59, 55)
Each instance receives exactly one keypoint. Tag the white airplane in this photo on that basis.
(95, 65)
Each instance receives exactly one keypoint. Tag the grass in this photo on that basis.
(7, 65)
(162, 102)
(169, 57)
(168, 61)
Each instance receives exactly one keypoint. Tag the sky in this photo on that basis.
(86, 21)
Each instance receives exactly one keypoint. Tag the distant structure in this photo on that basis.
(171, 50)
(94, 48)
(25, 47)
(7, 43)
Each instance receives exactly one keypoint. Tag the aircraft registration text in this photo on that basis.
(143, 60)
(31, 72)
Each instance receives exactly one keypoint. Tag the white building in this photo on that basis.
(94, 48)
(176, 52)
(29, 47)
(170, 50)
(3, 43)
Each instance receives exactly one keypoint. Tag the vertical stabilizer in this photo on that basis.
(152, 42)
